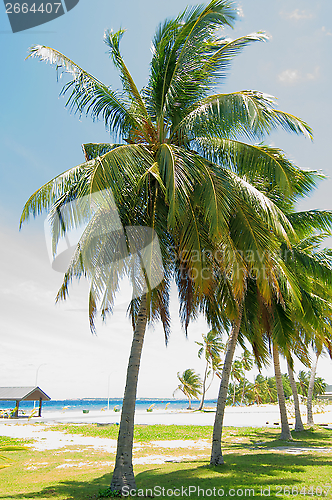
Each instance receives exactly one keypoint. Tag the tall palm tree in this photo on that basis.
(190, 385)
(210, 348)
(178, 166)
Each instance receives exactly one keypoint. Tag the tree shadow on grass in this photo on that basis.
(256, 470)
(310, 437)
(251, 470)
(264, 438)
(69, 490)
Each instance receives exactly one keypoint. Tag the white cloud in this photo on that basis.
(289, 76)
(314, 75)
(297, 15)
(293, 76)
(327, 33)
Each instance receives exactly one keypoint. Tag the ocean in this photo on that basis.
(99, 404)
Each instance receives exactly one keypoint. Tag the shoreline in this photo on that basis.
(45, 438)
(239, 416)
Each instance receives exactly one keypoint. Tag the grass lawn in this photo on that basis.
(256, 464)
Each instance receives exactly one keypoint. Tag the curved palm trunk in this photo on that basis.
(216, 454)
(310, 418)
(243, 389)
(123, 474)
(285, 432)
(298, 420)
(203, 387)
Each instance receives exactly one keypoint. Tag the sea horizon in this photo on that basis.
(98, 404)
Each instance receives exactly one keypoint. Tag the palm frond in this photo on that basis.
(255, 161)
(113, 41)
(92, 150)
(247, 113)
(307, 222)
(180, 48)
(88, 94)
(224, 50)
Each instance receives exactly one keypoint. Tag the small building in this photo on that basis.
(19, 394)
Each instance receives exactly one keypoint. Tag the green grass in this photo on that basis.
(253, 462)
(143, 433)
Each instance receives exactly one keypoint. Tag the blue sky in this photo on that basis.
(39, 138)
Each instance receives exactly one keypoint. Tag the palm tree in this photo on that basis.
(262, 391)
(283, 324)
(315, 386)
(298, 419)
(190, 385)
(303, 382)
(247, 364)
(211, 347)
(179, 168)
(237, 375)
(257, 389)
(285, 430)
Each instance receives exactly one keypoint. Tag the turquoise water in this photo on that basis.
(98, 404)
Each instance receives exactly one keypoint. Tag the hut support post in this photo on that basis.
(40, 407)
(15, 415)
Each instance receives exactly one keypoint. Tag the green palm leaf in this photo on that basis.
(247, 113)
(88, 94)
(180, 48)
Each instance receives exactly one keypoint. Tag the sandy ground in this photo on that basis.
(240, 416)
(44, 439)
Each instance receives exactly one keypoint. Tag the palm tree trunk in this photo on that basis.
(244, 384)
(123, 474)
(310, 418)
(298, 420)
(189, 407)
(285, 432)
(203, 387)
(216, 454)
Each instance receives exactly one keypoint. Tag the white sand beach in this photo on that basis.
(238, 416)
(241, 416)
(38, 429)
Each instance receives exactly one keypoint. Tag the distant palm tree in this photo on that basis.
(237, 375)
(210, 348)
(285, 430)
(298, 419)
(190, 385)
(311, 387)
(303, 382)
(317, 385)
(247, 364)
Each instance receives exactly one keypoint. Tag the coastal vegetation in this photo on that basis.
(190, 385)
(217, 213)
